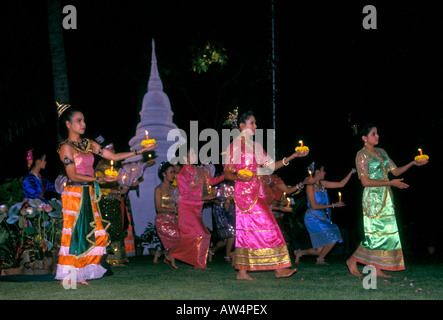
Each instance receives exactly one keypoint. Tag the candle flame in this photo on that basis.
(339, 194)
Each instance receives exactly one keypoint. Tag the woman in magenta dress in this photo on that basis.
(259, 241)
(195, 238)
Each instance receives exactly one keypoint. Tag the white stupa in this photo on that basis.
(156, 117)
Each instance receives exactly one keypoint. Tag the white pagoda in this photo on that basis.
(156, 117)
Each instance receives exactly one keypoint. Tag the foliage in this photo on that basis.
(30, 226)
(207, 56)
(11, 191)
(150, 237)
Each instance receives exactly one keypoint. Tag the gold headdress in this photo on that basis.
(61, 108)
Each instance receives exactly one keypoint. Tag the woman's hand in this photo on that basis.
(420, 163)
(148, 147)
(109, 179)
(339, 204)
(244, 178)
(398, 183)
(301, 153)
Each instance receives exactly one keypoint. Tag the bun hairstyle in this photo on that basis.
(33, 155)
(366, 128)
(65, 112)
(245, 116)
(164, 166)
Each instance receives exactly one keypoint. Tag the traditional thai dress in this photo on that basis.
(129, 240)
(225, 218)
(318, 223)
(84, 237)
(34, 187)
(259, 242)
(381, 245)
(111, 209)
(166, 224)
(195, 238)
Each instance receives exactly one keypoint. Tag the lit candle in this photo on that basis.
(301, 143)
(284, 194)
(289, 201)
(147, 135)
(149, 156)
(339, 197)
(421, 152)
(210, 189)
(310, 174)
(112, 165)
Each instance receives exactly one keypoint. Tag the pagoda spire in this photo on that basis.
(154, 82)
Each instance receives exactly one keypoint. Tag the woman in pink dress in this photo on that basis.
(193, 245)
(259, 241)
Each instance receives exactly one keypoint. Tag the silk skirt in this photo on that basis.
(166, 225)
(194, 240)
(259, 242)
(322, 231)
(84, 237)
(381, 246)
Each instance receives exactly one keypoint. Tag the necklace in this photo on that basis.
(169, 190)
(83, 146)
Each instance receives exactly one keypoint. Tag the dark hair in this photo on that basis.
(245, 116)
(66, 116)
(37, 154)
(319, 165)
(366, 128)
(164, 166)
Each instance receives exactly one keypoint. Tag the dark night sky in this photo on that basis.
(328, 67)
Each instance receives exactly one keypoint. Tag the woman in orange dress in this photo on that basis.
(84, 237)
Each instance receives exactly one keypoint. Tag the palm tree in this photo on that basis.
(58, 58)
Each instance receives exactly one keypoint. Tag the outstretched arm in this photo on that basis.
(400, 170)
(340, 184)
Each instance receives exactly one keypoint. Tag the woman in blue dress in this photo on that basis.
(323, 232)
(36, 186)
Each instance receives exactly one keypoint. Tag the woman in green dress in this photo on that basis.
(381, 245)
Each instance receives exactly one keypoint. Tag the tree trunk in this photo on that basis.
(57, 47)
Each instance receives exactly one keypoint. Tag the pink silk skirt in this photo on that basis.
(194, 239)
(167, 229)
(259, 242)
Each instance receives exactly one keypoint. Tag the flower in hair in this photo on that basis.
(232, 119)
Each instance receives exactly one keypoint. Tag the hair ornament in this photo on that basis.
(311, 167)
(29, 158)
(232, 119)
(62, 108)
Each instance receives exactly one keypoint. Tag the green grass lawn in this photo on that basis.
(143, 280)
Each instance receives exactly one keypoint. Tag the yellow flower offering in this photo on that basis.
(301, 147)
(421, 157)
(147, 141)
(245, 172)
(111, 173)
